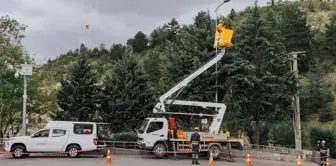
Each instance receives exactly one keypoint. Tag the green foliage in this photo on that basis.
(139, 42)
(11, 87)
(293, 27)
(264, 133)
(254, 78)
(321, 132)
(127, 97)
(282, 134)
(263, 84)
(78, 95)
(125, 136)
(330, 35)
(316, 97)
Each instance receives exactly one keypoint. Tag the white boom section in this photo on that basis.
(160, 106)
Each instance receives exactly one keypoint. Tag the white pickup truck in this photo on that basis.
(56, 136)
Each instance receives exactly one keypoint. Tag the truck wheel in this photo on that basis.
(73, 151)
(216, 152)
(159, 150)
(18, 150)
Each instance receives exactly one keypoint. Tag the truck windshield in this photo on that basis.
(143, 126)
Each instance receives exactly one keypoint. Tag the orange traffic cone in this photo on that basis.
(328, 162)
(211, 162)
(248, 160)
(108, 156)
(299, 161)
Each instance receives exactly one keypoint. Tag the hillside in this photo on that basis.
(120, 84)
(318, 14)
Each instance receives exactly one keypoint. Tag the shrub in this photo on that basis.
(125, 136)
(318, 131)
(282, 134)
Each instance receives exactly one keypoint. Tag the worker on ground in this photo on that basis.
(324, 152)
(195, 142)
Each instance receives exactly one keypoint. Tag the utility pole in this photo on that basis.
(297, 119)
(26, 70)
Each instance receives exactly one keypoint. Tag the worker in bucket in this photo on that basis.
(220, 28)
(195, 142)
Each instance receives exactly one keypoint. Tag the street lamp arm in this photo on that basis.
(225, 1)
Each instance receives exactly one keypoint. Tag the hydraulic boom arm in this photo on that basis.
(160, 106)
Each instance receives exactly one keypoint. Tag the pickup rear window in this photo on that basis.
(83, 129)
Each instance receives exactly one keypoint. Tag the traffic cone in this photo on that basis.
(108, 156)
(248, 160)
(328, 162)
(299, 161)
(211, 162)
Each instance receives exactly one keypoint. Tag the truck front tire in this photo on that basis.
(159, 150)
(19, 149)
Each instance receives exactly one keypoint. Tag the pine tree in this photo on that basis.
(127, 96)
(330, 34)
(78, 95)
(260, 71)
(139, 42)
(294, 27)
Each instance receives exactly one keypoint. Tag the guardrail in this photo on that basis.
(122, 144)
(269, 148)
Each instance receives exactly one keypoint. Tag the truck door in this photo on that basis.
(58, 139)
(155, 132)
(39, 141)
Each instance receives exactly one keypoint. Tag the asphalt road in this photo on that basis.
(120, 160)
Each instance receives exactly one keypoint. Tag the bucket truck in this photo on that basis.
(159, 135)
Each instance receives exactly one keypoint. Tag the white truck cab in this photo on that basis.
(56, 136)
(152, 131)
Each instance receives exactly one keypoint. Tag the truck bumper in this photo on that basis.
(141, 145)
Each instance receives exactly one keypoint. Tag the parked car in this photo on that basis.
(57, 136)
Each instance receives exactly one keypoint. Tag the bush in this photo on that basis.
(282, 134)
(318, 131)
(125, 136)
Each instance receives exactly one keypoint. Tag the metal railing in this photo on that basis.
(268, 148)
(122, 144)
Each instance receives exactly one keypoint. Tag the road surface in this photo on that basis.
(120, 160)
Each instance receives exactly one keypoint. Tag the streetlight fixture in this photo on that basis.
(224, 1)
(26, 70)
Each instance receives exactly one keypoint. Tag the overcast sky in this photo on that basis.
(56, 26)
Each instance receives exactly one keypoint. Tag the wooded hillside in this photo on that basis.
(121, 83)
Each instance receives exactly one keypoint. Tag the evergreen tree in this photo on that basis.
(330, 34)
(82, 49)
(78, 95)
(117, 51)
(297, 34)
(139, 42)
(260, 72)
(316, 98)
(127, 96)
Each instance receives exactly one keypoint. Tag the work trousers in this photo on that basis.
(195, 151)
(323, 160)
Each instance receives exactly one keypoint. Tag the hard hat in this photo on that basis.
(196, 128)
(323, 141)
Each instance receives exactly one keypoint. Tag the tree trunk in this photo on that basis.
(257, 129)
